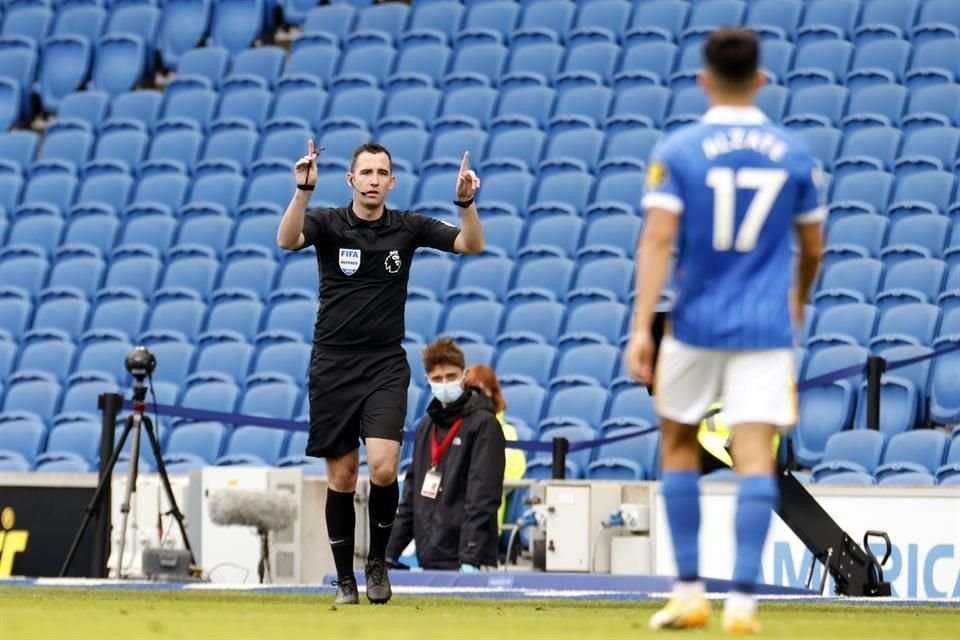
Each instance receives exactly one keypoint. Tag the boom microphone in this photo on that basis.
(266, 511)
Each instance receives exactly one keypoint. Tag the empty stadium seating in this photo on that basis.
(145, 213)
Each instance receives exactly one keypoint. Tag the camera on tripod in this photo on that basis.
(140, 363)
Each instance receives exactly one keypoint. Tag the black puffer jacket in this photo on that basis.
(459, 526)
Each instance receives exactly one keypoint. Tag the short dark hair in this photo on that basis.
(443, 351)
(732, 55)
(370, 147)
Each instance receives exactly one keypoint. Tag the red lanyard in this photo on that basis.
(437, 449)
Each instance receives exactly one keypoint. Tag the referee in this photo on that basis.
(358, 370)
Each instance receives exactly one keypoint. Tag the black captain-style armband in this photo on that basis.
(463, 204)
(306, 187)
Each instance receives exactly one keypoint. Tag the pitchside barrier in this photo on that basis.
(873, 367)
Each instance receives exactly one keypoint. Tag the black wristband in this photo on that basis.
(463, 204)
(306, 187)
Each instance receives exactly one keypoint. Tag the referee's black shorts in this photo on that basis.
(354, 396)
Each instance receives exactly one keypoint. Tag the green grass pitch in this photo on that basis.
(37, 613)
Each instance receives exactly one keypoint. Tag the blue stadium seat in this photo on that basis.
(199, 442)
(22, 437)
(63, 309)
(427, 62)
(422, 318)
(253, 446)
(85, 21)
(525, 145)
(134, 266)
(910, 323)
(825, 410)
(857, 321)
(927, 234)
(861, 278)
(500, 16)
(337, 19)
(944, 396)
(174, 355)
(119, 63)
(857, 235)
(897, 16)
(312, 58)
(582, 405)
(17, 89)
(857, 451)
(611, 274)
(223, 352)
(551, 276)
(839, 15)
(921, 277)
(779, 20)
(209, 391)
(25, 268)
(879, 62)
(824, 62)
(177, 310)
(193, 267)
(35, 226)
(265, 63)
(119, 309)
(823, 105)
(432, 274)
(899, 402)
(282, 353)
(79, 267)
(78, 438)
(236, 23)
(72, 147)
(292, 310)
(919, 451)
(248, 267)
(939, 103)
(48, 350)
(208, 62)
(526, 364)
(103, 352)
(587, 363)
(484, 274)
(542, 61)
(34, 394)
(388, 18)
(556, 18)
(143, 105)
(82, 391)
(88, 106)
(867, 191)
(824, 142)
(559, 233)
(605, 320)
(64, 67)
(876, 143)
(444, 17)
(649, 103)
(950, 470)
(477, 320)
(536, 321)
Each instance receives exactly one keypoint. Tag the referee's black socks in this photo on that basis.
(341, 523)
(383, 510)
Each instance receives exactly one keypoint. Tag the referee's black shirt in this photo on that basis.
(364, 268)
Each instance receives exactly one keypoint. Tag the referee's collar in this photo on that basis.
(356, 221)
(734, 115)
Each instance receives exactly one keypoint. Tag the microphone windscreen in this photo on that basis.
(269, 511)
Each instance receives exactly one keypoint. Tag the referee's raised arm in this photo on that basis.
(290, 233)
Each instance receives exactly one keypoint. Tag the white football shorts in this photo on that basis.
(754, 386)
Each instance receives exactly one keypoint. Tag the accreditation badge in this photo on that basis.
(431, 484)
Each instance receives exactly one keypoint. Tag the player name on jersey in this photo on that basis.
(737, 138)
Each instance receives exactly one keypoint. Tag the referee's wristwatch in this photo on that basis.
(463, 204)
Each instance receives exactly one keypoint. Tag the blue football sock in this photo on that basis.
(681, 494)
(755, 501)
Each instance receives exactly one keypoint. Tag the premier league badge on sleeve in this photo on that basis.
(349, 261)
(392, 262)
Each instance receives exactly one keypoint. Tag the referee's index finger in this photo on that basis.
(465, 163)
(310, 147)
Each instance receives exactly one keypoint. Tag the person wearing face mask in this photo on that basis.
(484, 378)
(454, 486)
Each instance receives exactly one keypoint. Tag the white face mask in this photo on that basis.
(447, 392)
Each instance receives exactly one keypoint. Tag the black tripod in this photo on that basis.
(133, 424)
